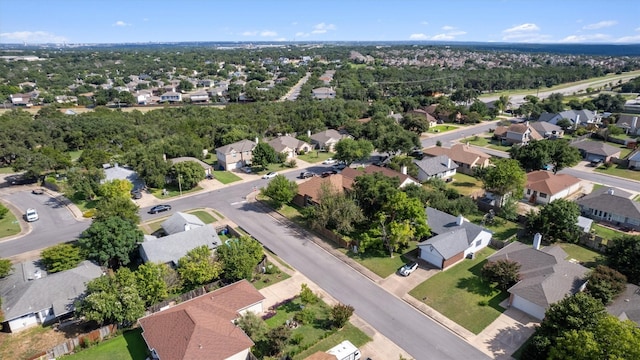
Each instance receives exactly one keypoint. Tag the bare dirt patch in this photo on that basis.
(37, 340)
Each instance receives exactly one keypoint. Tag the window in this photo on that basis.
(528, 191)
(543, 195)
(478, 243)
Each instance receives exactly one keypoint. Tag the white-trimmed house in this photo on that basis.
(440, 166)
(236, 155)
(327, 140)
(290, 146)
(543, 187)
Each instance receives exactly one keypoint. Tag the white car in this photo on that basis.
(269, 175)
(330, 161)
(31, 215)
(407, 269)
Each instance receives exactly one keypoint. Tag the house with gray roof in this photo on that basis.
(322, 93)
(179, 222)
(547, 130)
(440, 166)
(596, 150)
(629, 123)
(613, 206)
(627, 305)
(290, 146)
(545, 276)
(326, 140)
(169, 249)
(575, 117)
(454, 239)
(634, 161)
(236, 155)
(30, 297)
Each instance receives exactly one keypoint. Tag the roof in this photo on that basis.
(522, 128)
(239, 146)
(460, 153)
(21, 296)
(180, 222)
(323, 136)
(350, 174)
(596, 147)
(634, 157)
(545, 117)
(172, 247)
(500, 131)
(543, 127)
(546, 277)
(312, 187)
(450, 238)
(202, 328)
(613, 201)
(548, 182)
(282, 143)
(204, 165)
(435, 165)
(627, 305)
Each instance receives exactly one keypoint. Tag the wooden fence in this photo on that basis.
(81, 340)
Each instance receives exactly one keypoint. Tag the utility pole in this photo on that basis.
(180, 183)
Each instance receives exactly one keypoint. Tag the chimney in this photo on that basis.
(526, 123)
(309, 133)
(537, 239)
(610, 191)
(187, 227)
(403, 170)
(449, 165)
(577, 121)
(256, 139)
(634, 123)
(459, 220)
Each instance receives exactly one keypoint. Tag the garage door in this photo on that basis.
(593, 157)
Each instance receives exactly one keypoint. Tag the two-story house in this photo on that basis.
(236, 155)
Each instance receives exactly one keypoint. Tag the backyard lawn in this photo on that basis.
(502, 229)
(225, 177)
(316, 156)
(465, 184)
(605, 232)
(621, 171)
(128, 346)
(348, 332)
(462, 296)
(585, 256)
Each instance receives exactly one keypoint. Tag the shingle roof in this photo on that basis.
(616, 203)
(60, 290)
(323, 136)
(596, 147)
(548, 182)
(240, 146)
(180, 222)
(627, 305)
(202, 328)
(435, 165)
(545, 116)
(543, 127)
(450, 238)
(312, 187)
(459, 153)
(350, 174)
(281, 143)
(171, 248)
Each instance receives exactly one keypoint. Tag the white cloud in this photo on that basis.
(585, 38)
(638, 29)
(447, 28)
(268, 33)
(120, 23)
(302, 34)
(527, 27)
(418, 37)
(451, 35)
(322, 28)
(442, 37)
(629, 39)
(527, 32)
(31, 37)
(424, 23)
(280, 39)
(600, 25)
(250, 33)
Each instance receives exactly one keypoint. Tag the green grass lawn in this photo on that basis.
(502, 229)
(9, 225)
(637, 198)
(624, 152)
(172, 192)
(128, 346)
(465, 184)
(82, 203)
(316, 156)
(605, 232)
(585, 256)
(226, 177)
(6, 170)
(204, 216)
(442, 128)
(478, 140)
(75, 155)
(263, 280)
(462, 296)
(621, 171)
(381, 263)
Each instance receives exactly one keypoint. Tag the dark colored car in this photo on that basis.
(37, 191)
(136, 194)
(159, 208)
(306, 174)
(340, 166)
(21, 180)
(328, 173)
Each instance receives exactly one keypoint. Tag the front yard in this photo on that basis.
(485, 140)
(442, 128)
(381, 263)
(315, 156)
(460, 294)
(226, 177)
(621, 171)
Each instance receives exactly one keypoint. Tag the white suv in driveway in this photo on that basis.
(31, 215)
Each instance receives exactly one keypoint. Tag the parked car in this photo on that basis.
(306, 174)
(596, 163)
(328, 173)
(159, 208)
(408, 268)
(31, 215)
(21, 180)
(269, 175)
(247, 169)
(340, 166)
(136, 194)
(37, 191)
(330, 161)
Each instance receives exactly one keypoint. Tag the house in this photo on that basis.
(542, 187)
(290, 146)
(613, 206)
(208, 170)
(179, 222)
(466, 157)
(520, 134)
(627, 305)
(634, 161)
(323, 93)
(21, 100)
(629, 123)
(171, 96)
(326, 140)
(203, 327)
(199, 97)
(205, 83)
(545, 276)
(310, 190)
(31, 297)
(454, 239)
(350, 175)
(169, 249)
(424, 114)
(440, 166)
(547, 130)
(575, 117)
(236, 155)
(596, 150)
(65, 99)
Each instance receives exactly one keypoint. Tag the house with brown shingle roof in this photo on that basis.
(350, 175)
(203, 328)
(424, 114)
(290, 146)
(467, 157)
(310, 190)
(543, 187)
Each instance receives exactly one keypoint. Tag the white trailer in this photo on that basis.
(345, 351)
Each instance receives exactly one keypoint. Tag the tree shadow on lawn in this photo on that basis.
(475, 284)
(135, 344)
(464, 184)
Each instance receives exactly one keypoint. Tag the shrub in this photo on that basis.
(3, 211)
(305, 316)
(291, 163)
(307, 296)
(296, 339)
(340, 314)
(271, 269)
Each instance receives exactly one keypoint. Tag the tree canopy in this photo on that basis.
(350, 150)
(239, 257)
(198, 268)
(506, 177)
(111, 241)
(622, 255)
(280, 190)
(61, 257)
(556, 221)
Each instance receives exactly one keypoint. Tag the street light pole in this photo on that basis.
(180, 184)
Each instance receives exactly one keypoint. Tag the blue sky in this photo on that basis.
(117, 21)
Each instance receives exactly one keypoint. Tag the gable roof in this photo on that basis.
(435, 165)
(282, 143)
(548, 182)
(460, 153)
(612, 200)
(180, 222)
(627, 305)
(522, 128)
(323, 136)
(21, 296)
(171, 248)
(240, 146)
(350, 174)
(312, 187)
(500, 131)
(543, 127)
(545, 276)
(596, 147)
(546, 117)
(450, 238)
(202, 328)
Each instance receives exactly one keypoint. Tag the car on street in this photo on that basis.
(328, 173)
(306, 174)
(408, 268)
(340, 166)
(37, 191)
(269, 175)
(330, 161)
(21, 180)
(31, 215)
(159, 208)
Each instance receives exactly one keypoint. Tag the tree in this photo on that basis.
(121, 207)
(185, 85)
(372, 191)
(61, 257)
(187, 174)
(5, 267)
(280, 190)
(253, 326)
(350, 150)
(415, 123)
(505, 178)
(622, 255)
(277, 338)
(239, 257)
(116, 188)
(307, 296)
(556, 221)
(111, 241)
(538, 154)
(150, 282)
(503, 103)
(263, 155)
(3, 211)
(605, 284)
(505, 272)
(564, 124)
(334, 210)
(198, 268)
(340, 314)
(112, 299)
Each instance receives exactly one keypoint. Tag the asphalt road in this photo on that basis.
(448, 137)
